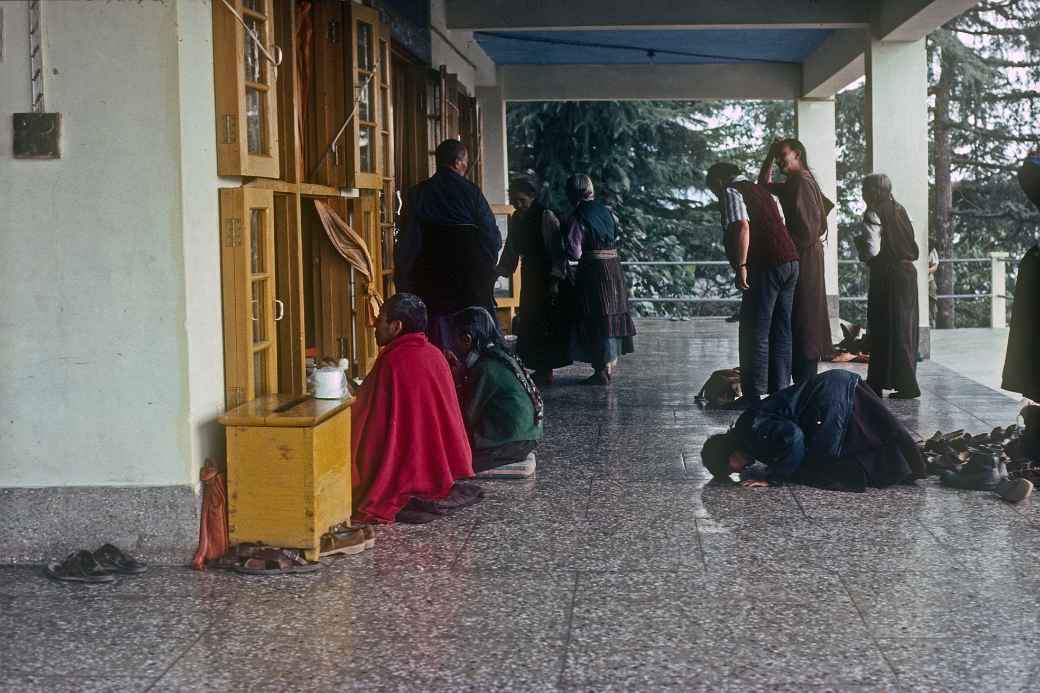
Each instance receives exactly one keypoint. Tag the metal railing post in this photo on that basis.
(998, 289)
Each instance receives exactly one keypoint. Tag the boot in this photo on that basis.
(983, 472)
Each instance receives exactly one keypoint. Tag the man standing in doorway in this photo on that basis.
(765, 260)
(449, 243)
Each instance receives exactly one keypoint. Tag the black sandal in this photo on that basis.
(113, 560)
(79, 567)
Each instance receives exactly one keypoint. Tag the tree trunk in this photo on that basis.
(943, 231)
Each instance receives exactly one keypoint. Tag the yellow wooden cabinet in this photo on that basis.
(288, 470)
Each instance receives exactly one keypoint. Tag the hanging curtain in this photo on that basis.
(351, 247)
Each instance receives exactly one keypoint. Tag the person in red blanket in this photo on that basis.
(409, 441)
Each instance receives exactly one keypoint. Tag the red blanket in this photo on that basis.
(408, 435)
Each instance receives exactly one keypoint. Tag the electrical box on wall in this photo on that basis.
(37, 136)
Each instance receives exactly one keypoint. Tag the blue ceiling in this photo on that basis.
(631, 47)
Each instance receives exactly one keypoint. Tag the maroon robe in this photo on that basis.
(806, 210)
(408, 435)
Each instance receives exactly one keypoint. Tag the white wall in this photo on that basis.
(476, 69)
(99, 323)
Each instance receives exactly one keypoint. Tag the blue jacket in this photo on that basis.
(805, 421)
(444, 198)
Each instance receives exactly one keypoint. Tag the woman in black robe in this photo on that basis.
(605, 328)
(542, 327)
(1022, 364)
(892, 309)
(805, 212)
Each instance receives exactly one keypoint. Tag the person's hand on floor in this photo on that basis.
(754, 483)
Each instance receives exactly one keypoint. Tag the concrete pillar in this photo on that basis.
(897, 140)
(816, 130)
(496, 165)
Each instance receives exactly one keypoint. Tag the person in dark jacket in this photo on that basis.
(536, 244)
(889, 249)
(605, 328)
(805, 209)
(449, 242)
(765, 261)
(1022, 363)
(829, 431)
(501, 405)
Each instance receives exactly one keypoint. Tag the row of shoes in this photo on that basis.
(1006, 460)
(94, 567)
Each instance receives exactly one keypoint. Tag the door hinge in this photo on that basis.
(233, 232)
(230, 128)
(333, 32)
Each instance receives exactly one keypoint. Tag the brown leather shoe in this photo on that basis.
(347, 542)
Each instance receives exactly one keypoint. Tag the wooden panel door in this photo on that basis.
(251, 307)
(245, 88)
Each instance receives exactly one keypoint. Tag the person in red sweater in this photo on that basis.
(408, 438)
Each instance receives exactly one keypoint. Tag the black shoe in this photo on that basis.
(905, 394)
(980, 476)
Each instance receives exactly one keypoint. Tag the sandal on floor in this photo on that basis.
(79, 567)
(115, 561)
(271, 561)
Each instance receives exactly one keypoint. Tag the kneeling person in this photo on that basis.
(501, 406)
(409, 440)
(830, 431)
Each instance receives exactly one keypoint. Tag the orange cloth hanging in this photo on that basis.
(213, 525)
(352, 248)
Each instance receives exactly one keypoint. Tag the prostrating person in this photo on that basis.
(829, 431)
(449, 242)
(765, 261)
(604, 327)
(501, 405)
(806, 210)
(892, 310)
(409, 440)
(542, 325)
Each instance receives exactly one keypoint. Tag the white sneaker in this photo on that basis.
(1014, 490)
(517, 470)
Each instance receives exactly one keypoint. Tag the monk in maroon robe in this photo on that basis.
(409, 440)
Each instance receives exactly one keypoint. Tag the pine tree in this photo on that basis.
(984, 68)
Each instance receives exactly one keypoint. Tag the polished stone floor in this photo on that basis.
(620, 568)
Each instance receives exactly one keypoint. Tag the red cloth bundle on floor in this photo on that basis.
(213, 526)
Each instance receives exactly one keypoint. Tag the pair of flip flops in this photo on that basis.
(93, 568)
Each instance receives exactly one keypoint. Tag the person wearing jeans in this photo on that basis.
(765, 261)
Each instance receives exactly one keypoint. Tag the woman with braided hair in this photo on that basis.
(501, 406)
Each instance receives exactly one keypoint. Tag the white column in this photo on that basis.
(496, 165)
(897, 140)
(816, 130)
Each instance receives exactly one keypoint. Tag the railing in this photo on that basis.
(998, 296)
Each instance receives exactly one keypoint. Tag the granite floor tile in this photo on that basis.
(1000, 665)
(96, 683)
(82, 655)
(436, 632)
(670, 631)
(931, 601)
(837, 547)
(678, 500)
